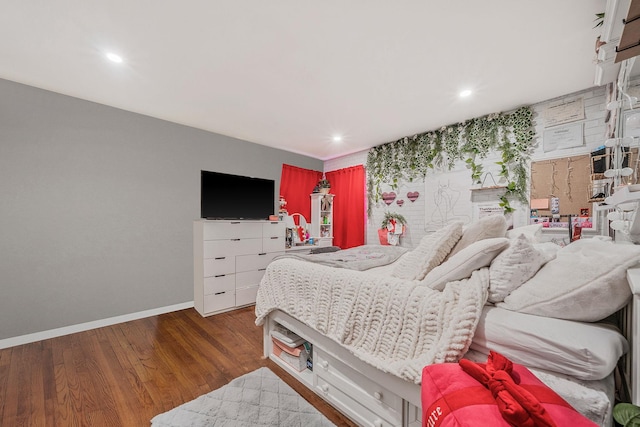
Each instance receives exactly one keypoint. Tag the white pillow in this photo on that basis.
(550, 249)
(532, 231)
(514, 266)
(586, 281)
(429, 253)
(488, 227)
(461, 265)
(588, 351)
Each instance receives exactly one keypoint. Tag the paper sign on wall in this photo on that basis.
(562, 137)
(566, 112)
(542, 204)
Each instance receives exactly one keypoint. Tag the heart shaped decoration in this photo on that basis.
(388, 198)
(400, 202)
(413, 195)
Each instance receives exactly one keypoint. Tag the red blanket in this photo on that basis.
(496, 393)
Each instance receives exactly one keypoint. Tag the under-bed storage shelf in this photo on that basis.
(305, 377)
(346, 382)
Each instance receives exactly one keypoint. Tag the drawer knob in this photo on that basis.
(377, 395)
(325, 388)
(325, 364)
(377, 423)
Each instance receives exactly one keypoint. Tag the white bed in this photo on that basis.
(548, 327)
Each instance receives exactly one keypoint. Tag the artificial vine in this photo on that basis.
(411, 157)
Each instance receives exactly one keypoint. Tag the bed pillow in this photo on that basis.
(429, 253)
(550, 249)
(485, 228)
(461, 265)
(586, 281)
(588, 351)
(532, 232)
(514, 266)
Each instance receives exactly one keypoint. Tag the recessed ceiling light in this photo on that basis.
(465, 93)
(114, 58)
(337, 138)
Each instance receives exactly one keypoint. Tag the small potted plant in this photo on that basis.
(392, 227)
(324, 186)
(627, 414)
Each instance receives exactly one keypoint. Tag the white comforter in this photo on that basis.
(396, 325)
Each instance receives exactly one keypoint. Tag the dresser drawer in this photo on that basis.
(273, 244)
(361, 389)
(225, 230)
(352, 408)
(248, 278)
(255, 262)
(273, 229)
(218, 284)
(413, 415)
(232, 247)
(221, 301)
(246, 296)
(219, 265)
(325, 241)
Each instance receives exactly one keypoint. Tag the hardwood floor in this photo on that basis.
(125, 374)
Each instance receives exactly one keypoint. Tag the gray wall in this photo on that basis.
(97, 206)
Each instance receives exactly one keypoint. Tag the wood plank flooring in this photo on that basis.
(125, 374)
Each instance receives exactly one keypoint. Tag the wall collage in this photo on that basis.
(468, 183)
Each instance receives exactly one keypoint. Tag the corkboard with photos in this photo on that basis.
(567, 179)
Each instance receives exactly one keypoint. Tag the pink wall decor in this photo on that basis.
(400, 202)
(413, 195)
(388, 198)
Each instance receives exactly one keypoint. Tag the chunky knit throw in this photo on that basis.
(396, 325)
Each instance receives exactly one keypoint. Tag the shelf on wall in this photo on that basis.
(493, 187)
(625, 194)
(607, 66)
(629, 45)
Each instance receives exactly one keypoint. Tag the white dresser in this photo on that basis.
(229, 260)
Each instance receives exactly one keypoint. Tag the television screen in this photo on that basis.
(225, 196)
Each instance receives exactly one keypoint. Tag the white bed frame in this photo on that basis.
(371, 397)
(631, 330)
(363, 393)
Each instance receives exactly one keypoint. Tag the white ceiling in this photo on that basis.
(291, 74)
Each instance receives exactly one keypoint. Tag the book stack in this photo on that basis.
(291, 348)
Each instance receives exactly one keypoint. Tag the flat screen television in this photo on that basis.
(226, 196)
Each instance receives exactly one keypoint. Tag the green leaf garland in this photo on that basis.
(408, 158)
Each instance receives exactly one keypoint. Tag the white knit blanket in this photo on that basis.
(396, 325)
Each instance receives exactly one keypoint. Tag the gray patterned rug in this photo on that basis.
(259, 398)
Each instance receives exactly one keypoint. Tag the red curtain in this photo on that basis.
(349, 212)
(296, 184)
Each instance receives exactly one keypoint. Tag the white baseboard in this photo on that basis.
(58, 332)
